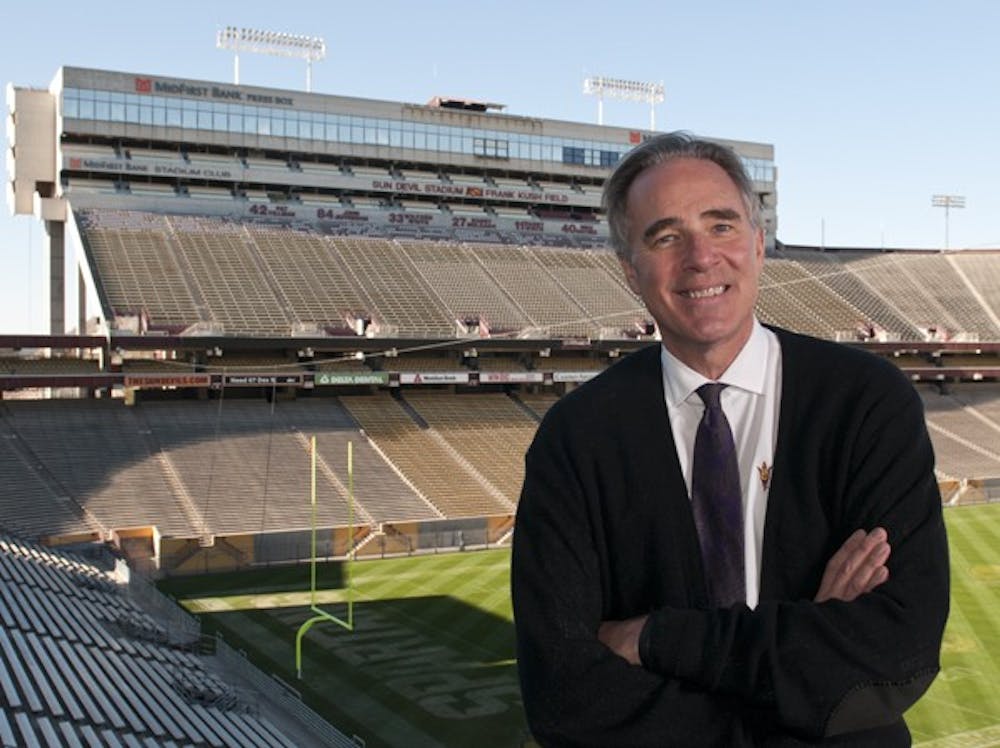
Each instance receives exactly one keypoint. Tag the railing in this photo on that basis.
(180, 625)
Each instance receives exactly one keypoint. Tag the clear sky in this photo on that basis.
(872, 106)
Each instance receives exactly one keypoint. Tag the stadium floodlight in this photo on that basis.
(652, 93)
(276, 43)
(947, 202)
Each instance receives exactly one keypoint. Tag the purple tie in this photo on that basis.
(717, 502)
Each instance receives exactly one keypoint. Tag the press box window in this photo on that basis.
(491, 147)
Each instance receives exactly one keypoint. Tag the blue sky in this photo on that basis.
(872, 106)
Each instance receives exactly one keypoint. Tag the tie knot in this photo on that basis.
(710, 393)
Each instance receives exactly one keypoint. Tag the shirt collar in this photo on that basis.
(746, 372)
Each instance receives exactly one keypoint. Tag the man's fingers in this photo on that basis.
(844, 552)
(857, 567)
(869, 571)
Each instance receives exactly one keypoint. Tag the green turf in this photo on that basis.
(962, 707)
(430, 662)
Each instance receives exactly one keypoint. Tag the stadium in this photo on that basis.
(289, 326)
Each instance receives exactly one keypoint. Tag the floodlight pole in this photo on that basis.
(652, 93)
(309, 48)
(947, 202)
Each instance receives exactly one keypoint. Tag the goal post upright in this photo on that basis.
(322, 615)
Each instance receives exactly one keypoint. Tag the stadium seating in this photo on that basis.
(983, 274)
(411, 362)
(32, 502)
(872, 307)
(381, 492)
(138, 270)
(549, 308)
(189, 469)
(951, 292)
(908, 294)
(98, 456)
(607, 303)
(463, 285)
(490, 431)
(400, 298)
(428, 461)
(315, 283)
(81, 664)
(537, 402)
(965, 430)
(242, 278)
(244, 470)
(225, 266)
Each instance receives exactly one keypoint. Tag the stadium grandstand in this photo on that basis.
(235, 270)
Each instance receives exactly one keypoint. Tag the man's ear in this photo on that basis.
(630, 275)
(759, 246)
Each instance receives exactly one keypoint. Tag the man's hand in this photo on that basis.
(622, 637)
(858, 567)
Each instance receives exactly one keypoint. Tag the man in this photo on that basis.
(809, 609)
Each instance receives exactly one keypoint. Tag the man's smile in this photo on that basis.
(704, 293)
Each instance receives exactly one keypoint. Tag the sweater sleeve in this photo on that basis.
(575, 690)
(825, 669)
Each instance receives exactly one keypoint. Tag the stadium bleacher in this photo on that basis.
(965, 429)
(247, 279)
(82, 664)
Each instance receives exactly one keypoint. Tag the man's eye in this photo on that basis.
(665, 239)
(723, 228)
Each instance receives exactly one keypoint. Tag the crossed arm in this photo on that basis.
(858, 567)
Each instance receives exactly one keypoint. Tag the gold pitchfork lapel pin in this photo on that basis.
(764, 471)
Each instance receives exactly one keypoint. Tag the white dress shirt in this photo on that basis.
(751, 402)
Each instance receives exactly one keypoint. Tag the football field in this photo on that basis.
(962, 707)
(431, 659)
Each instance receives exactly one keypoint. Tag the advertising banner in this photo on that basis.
(352, 377)
(509, 377)
(435, 377)
(167, 380)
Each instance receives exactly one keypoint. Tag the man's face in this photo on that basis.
(695, 260)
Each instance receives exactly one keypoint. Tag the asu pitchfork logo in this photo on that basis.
(764, 471)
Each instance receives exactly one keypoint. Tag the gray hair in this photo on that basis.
(657, 150)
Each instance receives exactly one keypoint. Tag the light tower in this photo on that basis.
(652, 93)
(947, 202)
(309, 48)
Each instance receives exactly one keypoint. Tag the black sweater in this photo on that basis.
(605, 531)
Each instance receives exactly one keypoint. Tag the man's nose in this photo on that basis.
(702, 251)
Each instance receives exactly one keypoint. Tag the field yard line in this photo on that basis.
(227, 604)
